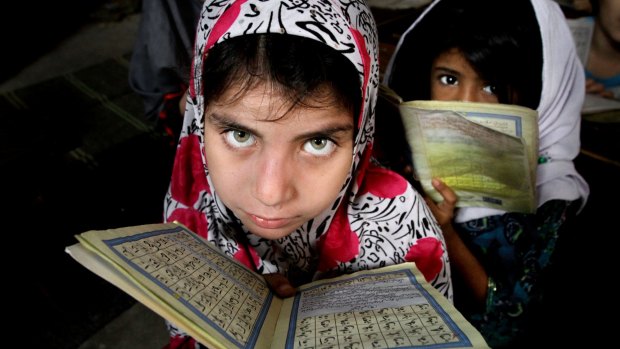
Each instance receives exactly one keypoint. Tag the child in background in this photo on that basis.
(456, 51)
(603, 64)
(274, 161)
(161, 58)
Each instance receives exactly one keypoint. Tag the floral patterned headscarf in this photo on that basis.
(378, 218)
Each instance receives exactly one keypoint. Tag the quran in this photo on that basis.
(486, 152)
(223, 304)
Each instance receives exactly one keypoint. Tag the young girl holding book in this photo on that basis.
(274, 161)
(521, 54)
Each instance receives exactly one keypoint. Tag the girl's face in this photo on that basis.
(276, 174)
(454, 79)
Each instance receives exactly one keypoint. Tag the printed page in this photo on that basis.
(186, 280)
(595, 104)
(581, 29)
(487, 153)
(391, 307)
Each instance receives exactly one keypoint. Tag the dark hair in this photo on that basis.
(500, 39)
(596, 7)
(299, 68)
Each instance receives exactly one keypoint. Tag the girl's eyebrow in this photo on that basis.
(225, 122)
(447, 70)
(326, 132)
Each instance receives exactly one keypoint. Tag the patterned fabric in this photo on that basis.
(515, 250)
(378, 219)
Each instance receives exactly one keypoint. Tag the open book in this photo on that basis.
(223, 304)
(487, 153)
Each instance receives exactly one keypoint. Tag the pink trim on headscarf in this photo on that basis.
(359, 39)
(248, 257)
(383, 183)
(339, 243)
(189, 178)
(224, 23)
(194, 220)
(426, 254)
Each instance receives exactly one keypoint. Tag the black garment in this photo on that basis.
(161, 58)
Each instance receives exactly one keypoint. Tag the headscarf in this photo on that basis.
(377, 219)
(559, 110)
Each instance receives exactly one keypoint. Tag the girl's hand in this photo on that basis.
(280, 285)
(444, 210)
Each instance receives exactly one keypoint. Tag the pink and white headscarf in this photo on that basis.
(559, 110)
(378, 218)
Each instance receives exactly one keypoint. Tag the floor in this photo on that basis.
(53, 193)
(51, 198)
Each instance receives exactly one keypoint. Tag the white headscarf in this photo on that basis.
(377, 219)
(559, 110)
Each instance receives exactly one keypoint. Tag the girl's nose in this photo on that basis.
(468, 94)
(274, 185)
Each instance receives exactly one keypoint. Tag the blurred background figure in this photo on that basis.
(603, 64)
(160, 64)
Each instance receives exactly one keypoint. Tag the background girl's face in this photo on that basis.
(609, 16)
(454, 79)
(276, 173)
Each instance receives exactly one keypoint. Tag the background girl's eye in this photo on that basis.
(319, 146)
(490, 89)
(448, 80)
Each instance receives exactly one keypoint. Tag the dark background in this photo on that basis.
(69, 165)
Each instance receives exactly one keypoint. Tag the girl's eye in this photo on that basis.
(491, 89)
(239, 139)
(448, 80)
(319, 146)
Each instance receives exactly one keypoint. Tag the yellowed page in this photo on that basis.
(487, 153)
(391, 307)
(184, 279)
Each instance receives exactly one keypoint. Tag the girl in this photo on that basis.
(523, 54)
(273, 164)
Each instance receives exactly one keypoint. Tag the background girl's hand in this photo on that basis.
(597, 89)
(444, 210)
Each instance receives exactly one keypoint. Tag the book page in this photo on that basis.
(487, 153)
(218, 301)
(595, 104)
(581, 29)
(391, 307)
